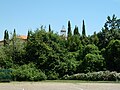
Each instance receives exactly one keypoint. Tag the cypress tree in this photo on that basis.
(69, 29)
(49, 28)
(76, 31)
(83, 29)
(6, 37)
(14, 45)
(28, 35)
(14, 34)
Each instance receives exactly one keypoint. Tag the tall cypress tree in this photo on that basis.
(69, 29)
(6, 37)
(28, 35)
(76, 31)
(83, 29)
(49, 28)
(14, 34)
(14, 44)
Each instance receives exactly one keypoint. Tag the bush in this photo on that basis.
(28, 73)
(5, 75)
(95, 76)
(52, 75)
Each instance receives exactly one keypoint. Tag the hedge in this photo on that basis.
(95, 76)
(5, 75)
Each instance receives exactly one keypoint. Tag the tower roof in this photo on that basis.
(63, 29)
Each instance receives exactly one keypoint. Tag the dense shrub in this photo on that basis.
(27, 73)
(5, 75)
(52, 75)
(95, 76)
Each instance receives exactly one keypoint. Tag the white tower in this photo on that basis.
(63, 32)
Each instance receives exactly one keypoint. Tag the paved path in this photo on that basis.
(58, 86)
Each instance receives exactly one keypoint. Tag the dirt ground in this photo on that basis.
(58, 86)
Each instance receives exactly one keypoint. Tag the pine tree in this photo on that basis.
(83, 29)
(69, 29)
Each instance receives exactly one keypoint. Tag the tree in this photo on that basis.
(28, 35)
(16, 49)
(84, 39)
(5, 57)
(50, 28)
(109, 32)
(76, 31)
(93, 63)
(94, 39)
(112, 23)
(69, 37)
(14, 44)
(6, 38)
(75, 43)
(14, 34)
(92, 60)
(112, 56)
(47, 51)
(83, 29)
(69, 29)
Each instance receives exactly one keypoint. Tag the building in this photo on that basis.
(21, 37)
(63, 32)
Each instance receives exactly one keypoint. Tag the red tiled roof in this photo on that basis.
(22, 37)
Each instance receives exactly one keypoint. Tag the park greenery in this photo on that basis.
(48, 55)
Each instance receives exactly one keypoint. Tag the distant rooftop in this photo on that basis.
(22, 37)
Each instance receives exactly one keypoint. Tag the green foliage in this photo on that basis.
(50, 28)
(5, 58)
(110, 31)
(69, 29)
(6, 38)
(91, 48)
(112, 23)
(83, 29)
(16, 51)
(52, 75)
(94, 39)
(74, 43)
(5, 75)
(112, 55)
(28, 35)
(47, 51)
(27, 73)
(92, 60)
(76, 31)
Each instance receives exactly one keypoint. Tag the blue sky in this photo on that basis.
(31, 14)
